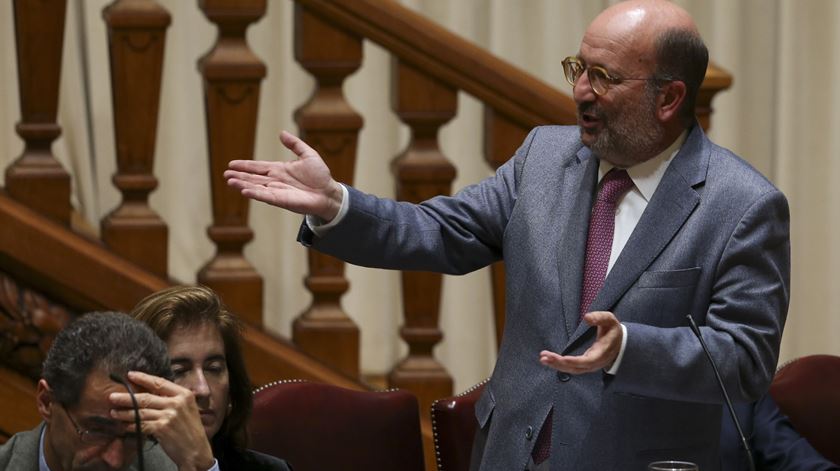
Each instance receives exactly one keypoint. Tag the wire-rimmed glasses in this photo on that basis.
(599, 79)
(102, 437)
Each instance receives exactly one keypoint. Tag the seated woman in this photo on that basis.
(202, 338)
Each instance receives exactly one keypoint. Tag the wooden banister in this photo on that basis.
(422, 172)
(36, 178)
(136, 39)
(331, 126)
(232, 75)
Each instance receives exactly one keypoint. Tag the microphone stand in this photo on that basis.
(746, 445)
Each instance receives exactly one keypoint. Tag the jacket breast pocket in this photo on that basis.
(660, 298)
(686, 277)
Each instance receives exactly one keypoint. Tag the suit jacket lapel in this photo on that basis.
(579, 186)
(672, 203)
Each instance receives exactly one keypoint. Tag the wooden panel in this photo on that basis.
(331, 127)
(36, 178)
(232, 76)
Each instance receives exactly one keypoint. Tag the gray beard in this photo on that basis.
(631, 136)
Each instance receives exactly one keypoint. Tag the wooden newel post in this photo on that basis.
(136, 39)
(36, 178)
(422, 171)
(232, 75)
(331, 127)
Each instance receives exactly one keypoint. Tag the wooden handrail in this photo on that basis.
(452, 59)
(458, 62)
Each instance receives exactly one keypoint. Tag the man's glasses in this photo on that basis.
(599, 79)
(102, 437)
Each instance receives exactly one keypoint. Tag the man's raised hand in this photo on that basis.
(303, 185)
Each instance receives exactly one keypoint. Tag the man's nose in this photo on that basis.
(114, 455)
(582, 90)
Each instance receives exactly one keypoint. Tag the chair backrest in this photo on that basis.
(454, 426)
(318, 426)
(808, 392)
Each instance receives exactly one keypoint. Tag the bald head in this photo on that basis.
(635, 25)
(652, 38)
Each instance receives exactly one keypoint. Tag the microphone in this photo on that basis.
(746, 445)
(119, 379)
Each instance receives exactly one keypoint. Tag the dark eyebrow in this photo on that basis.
(187, 361)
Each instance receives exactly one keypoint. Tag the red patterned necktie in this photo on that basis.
(598, 247)
(601, 228)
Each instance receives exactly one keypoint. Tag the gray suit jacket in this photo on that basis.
(713, 242)
(20, 453)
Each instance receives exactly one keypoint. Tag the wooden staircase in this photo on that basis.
(51, 271)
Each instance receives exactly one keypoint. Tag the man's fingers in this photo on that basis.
(127, 415)
(296, 145)
(155, 384)
(254, 167)
(600, 318)
(253, 178)
(585, 363)
(144, 401)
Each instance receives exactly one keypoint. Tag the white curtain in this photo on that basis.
(782, 115)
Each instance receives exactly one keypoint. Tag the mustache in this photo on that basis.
(591, 108)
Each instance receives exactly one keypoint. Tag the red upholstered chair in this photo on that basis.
(318, 427)
(454, 425)
(808, 392)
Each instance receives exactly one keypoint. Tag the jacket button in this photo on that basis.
(529, 433)
(564, 377)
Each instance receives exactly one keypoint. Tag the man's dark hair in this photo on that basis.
(682, 55)
(112, 341)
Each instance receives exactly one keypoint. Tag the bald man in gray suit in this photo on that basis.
(597, 368)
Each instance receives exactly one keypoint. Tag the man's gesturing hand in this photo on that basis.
(600, 355)
(303, 185)
(169, 413)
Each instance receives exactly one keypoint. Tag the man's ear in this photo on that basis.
(44, 399)
(671, 98)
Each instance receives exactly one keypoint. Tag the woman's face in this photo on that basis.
(199, 364)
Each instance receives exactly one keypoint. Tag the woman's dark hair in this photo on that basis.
(188, 306)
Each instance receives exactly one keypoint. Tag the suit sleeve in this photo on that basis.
(452, 235)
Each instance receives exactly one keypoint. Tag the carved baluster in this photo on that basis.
(136, 37)
(232, 75)
(502, 136)
(422, 171)
(36, 178)
(331, 126)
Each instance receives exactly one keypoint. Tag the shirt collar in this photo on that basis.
(42, 459)
(647, 175)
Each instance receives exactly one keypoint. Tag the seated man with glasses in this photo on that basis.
(89, 361)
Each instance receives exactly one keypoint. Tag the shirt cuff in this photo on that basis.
(319, 226)
(614, 368)
(215, 466)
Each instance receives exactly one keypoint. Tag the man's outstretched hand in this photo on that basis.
(303, 185)
(602, 353)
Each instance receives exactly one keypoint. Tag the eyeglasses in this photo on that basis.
(599, 79)
(105, 437)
